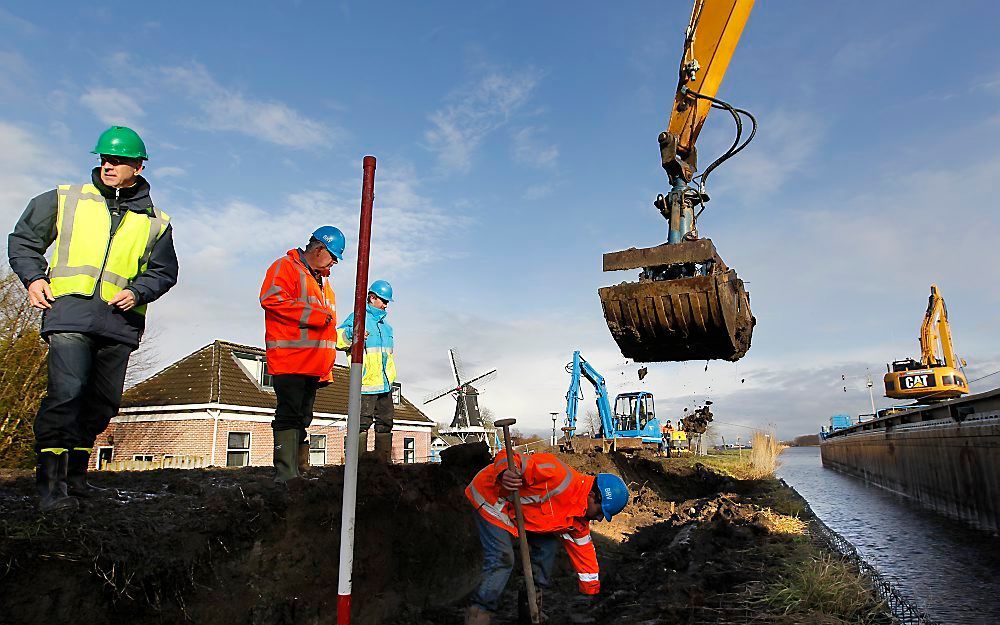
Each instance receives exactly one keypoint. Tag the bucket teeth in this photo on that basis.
(705, 317)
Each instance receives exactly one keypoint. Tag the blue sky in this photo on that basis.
(516, 143)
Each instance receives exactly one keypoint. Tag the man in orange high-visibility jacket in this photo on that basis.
(558, 505)
(300, 321)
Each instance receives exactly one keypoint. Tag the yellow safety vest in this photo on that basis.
(87, 252)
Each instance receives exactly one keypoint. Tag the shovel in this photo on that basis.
(521, 536)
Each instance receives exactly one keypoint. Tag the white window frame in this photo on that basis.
(239, 449)
(397, 393)
(97, 458)
(143, 457)
(409, 452)
(318, 450)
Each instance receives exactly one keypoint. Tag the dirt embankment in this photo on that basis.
(228, 547)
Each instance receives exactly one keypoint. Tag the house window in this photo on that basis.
(317, 449)
(143, 457)
(238, 449)
(409, 451)
(397, 393)
(266, 379)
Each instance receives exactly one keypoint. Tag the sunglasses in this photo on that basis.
(117, 160)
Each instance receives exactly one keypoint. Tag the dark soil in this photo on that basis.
(230, 547)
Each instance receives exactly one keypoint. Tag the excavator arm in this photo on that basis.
(935, 333)
(710, 40)
(687, 304)
(580, 368)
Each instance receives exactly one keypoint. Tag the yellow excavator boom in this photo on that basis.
(935, 333)
(710, 40)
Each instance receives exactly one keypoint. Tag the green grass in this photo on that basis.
(824, 585)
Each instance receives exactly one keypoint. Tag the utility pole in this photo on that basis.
(555, 441)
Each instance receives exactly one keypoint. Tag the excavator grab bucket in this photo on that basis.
(687, 305)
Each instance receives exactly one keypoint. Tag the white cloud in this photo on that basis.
(29, 165)
(113, 107)
(224, 107)
(531, 150)
(166, 172)
(785, 144)
(474, 112)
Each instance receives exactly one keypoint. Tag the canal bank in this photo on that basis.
(942, 566)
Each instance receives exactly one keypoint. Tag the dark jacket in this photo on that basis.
(36, 230)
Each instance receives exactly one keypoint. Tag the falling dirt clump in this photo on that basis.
(230, 547)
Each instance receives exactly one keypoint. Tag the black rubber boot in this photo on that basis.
(286, 456)
(76, 474)
(50, 479)
(383, 447)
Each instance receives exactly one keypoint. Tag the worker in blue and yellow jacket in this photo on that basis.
(379, 370)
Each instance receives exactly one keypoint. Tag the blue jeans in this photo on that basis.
(498, 561)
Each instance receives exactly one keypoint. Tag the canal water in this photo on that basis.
(942, 566)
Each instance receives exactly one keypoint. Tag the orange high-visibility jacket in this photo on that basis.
(553, 500)
(300, 319)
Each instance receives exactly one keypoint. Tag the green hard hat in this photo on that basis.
(121, 141)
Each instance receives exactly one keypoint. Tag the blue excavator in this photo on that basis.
(632, 423)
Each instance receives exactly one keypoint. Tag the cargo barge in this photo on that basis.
(945, 456)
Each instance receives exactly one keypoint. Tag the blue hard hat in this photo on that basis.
(333, 238)
(381, 288)
(614, 494)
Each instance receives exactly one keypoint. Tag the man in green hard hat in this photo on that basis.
(112, 254)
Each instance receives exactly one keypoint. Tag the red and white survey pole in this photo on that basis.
(354, 400)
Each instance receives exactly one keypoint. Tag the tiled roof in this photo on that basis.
(214, 375)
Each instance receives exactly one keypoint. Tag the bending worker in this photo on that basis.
(113, 255)
(558, 504)
(300, 321)
(379, 369)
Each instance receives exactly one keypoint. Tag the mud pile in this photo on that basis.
(227, 546)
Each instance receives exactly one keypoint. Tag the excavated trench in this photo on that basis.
(229, 547)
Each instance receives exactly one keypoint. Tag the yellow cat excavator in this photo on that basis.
(933, 378)
(687, 304)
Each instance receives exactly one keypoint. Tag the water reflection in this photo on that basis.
(950, 571)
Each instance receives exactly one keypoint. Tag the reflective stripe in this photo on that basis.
(494, 510)
(373, 389)
(588, 577)
(115, 279)
(157, 225)
(54, 450)
(62, 271)
(71, 197)
(273, 290)
(502, 462)
(86, 449)
(547, 465)
(579, 541)
(301, 343)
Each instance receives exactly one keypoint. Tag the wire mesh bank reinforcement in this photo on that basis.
(898, 606)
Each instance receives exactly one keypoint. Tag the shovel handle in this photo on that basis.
(529, 579)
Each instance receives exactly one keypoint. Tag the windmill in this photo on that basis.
(467, 424)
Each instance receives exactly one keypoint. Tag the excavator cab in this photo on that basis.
(687, 303)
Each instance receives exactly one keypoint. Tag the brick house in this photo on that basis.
(217, 404)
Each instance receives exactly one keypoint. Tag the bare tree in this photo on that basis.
(23, 374)
(592, 421)
(487, 415)
(144, 361)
